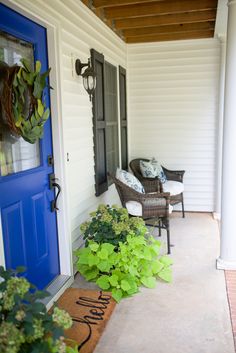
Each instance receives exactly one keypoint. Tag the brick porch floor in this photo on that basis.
(230, 278)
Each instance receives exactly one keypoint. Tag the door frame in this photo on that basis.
(54, 60)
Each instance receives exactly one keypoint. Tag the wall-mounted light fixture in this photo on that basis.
(89, 76)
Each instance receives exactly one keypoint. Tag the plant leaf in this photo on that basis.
(156, 267)
(104, 266)
(103, 254)
(91, 274)
(103, 282)
(26, 64)
(114, 280)
(108, 247)
(166, 260)
(125, 285)
(149, 282)
(166, 274)
(46, 114)
(94, 246)
(37, 66)
(92, 260)
(117, 294)
(40, 107)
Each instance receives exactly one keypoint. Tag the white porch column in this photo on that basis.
(227, 258)
(217, 212)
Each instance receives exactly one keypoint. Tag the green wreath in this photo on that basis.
(23, 108)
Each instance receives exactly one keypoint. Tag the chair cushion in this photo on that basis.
(173, 187)
(134, 208)
(130, 180)
(152, 169)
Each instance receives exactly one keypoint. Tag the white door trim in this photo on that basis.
(54, 57)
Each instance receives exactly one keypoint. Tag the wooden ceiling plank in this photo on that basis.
(169, 29)
(171, 37)
(159, 20)
(159, 7)
(110, 3)
(85, 2)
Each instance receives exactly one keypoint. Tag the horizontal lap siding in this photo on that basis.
(173, 97)
(80, 31)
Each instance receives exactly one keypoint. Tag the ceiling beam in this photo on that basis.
(159, 7)
(110, 3)
(170, 37)
(133, 32)
(188, 17)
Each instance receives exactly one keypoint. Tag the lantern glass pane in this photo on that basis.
(85, 82)
(91, 82)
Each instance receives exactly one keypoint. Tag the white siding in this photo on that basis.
(173, 94)
(80, 30)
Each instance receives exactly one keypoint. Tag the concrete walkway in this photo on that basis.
(191, 314)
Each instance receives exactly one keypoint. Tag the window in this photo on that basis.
(105, 121)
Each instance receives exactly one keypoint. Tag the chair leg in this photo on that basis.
(167, 227)
(159, 227)
(168, 237)
(183, 212)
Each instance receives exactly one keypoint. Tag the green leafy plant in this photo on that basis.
(29, 110)
(111, 224)
(25, 324)
(124, 269)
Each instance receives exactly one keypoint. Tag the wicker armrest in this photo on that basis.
(151, 185)
(176, 175)
(155, 205)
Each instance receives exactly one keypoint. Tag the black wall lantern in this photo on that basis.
(89, 76)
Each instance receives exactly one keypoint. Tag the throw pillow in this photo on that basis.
(152, 169)
(160, 173)
(130, 180)
(148, 169)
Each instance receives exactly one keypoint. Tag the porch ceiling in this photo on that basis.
(139, 21)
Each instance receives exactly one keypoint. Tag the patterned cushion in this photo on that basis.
(152, 169)
(148, 169)
(130, 180)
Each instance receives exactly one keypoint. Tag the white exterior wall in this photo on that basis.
(79, 30)
(173, 111)
(172, 105)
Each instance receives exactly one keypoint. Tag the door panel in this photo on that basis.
(29, 226)
(13, 229)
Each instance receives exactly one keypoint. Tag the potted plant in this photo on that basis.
(111, 224)
(25, 324)
(121, 261)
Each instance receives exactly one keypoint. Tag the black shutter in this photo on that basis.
(111, 108)
(123, 119)
(99, 125)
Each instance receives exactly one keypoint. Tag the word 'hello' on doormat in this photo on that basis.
(90, 311)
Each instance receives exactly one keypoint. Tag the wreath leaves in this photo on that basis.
(29, 109)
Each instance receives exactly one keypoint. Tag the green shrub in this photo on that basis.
(25, 325)
(124, 269)
(111, 224)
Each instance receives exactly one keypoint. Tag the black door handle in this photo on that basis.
(54, 202)
(54, 184)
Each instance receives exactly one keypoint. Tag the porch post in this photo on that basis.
(227, 258)
(217, 212)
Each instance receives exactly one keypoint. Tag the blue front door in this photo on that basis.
(29, 226)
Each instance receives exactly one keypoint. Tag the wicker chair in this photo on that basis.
(154, 206)
(152, 185)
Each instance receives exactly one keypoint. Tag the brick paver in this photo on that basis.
(230, 278)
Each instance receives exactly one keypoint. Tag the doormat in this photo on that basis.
(90, 311)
